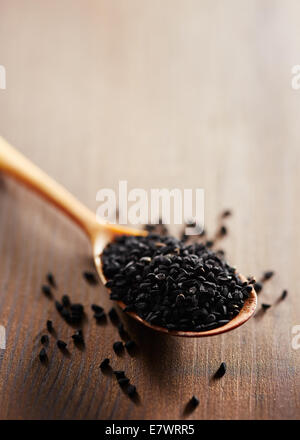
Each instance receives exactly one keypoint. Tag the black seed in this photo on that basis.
(265, 306)
(78, 337)
(221, 370)
(118, 347)
(45, 339)
(61, 344)
(123, 381)
(66, 301)
(78, 308)
(46, 290)
(51, 280)
(113, 315)
(258, 287)
(223, 230)
(43, 355)
(284, 294)
(130, 345)
(119, 374)
(194, 401)
(90, 277)
(104, 364)
(97, 309)
(65, 314)
(171, 283)
(131, 390)
(267, 275)
(129, 308)
(121, 330)
(226, 213)
(49, 326)
(59, 306)
(100, 316)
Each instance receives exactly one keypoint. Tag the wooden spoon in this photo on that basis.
(99, 233)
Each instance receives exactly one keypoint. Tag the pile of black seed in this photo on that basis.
(171, 284)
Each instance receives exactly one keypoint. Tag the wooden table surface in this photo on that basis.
(175, 94)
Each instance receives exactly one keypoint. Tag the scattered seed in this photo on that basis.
(45, 339)
(121, 330)
(118, 347)
(194, 401)
(221, 370)
(49, 326)
(61, 344)
(97, 309)
(265, 306)
(267, 275)
(46, 290)
(226, 213)
(119, 374)
(104, 364)
(66, 301)
(131, 390)
(284, 294)
(78, 337)
(123, 381)
(77, 308)
(258, 287)
(51, 279)
(90, 277)
(130, 345)
(114, 317)
(223, 230)
(59, 306)
(100, 316)
(43, 355)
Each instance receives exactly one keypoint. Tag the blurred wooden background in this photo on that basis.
(168, 94)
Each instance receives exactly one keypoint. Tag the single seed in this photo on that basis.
(194, 401)
(49, 326)
(226, 213)
(258, 287)
(221, 370)
(119, 374)
(267, 275)
(100, 316)
(97, 309)
(45, 339)
(66, 301)
(77, 308)
(104, 364)
(114, 317)
(46, 290)
(59, 306)
(90, 277)
(123, 381)
(61, 344)
(284, 294)
(43, 355)
(131, 390)
(130, 345)
(51, 280)
(78, 337)
(265, 306)
(118, 347)
(223, 230)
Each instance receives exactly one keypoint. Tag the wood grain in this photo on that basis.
(163, 94)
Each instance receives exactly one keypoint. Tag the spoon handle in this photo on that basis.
(15, 164)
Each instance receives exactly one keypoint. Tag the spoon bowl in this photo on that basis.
(100, 233)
